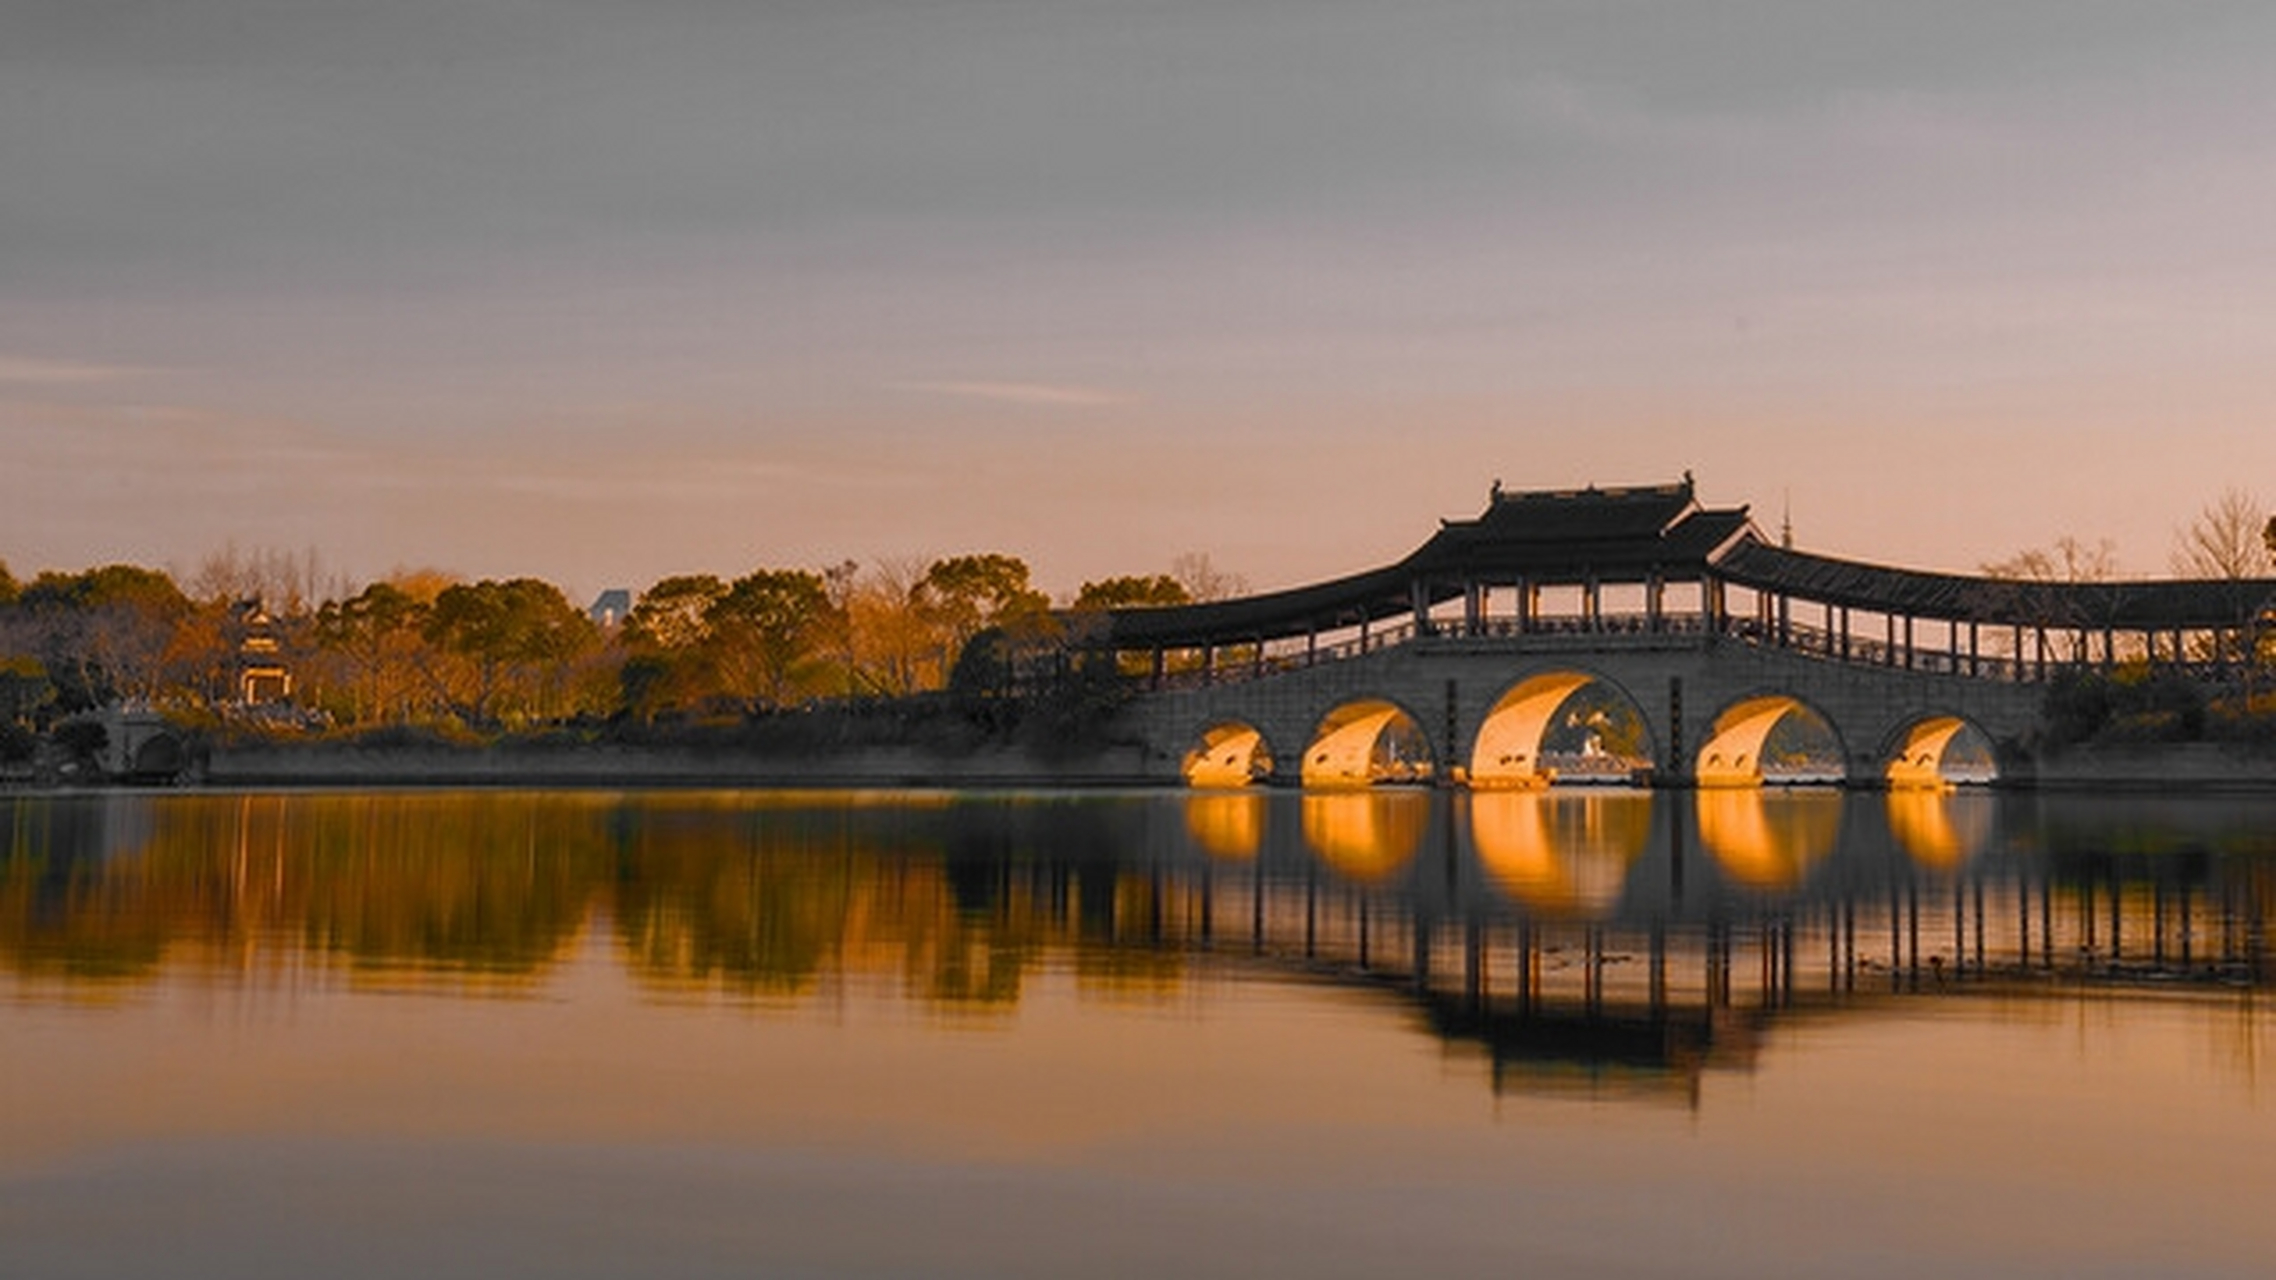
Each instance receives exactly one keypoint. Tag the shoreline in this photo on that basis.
(2194, 768)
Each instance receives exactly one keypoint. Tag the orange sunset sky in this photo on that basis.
(604, 291)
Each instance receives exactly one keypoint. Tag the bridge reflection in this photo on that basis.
(1621, 938)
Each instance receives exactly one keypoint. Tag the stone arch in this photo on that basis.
(1731, 756)
(1231, 753)
(1366, 742)
(1506, 752)
(160, 756)
(1916, 753)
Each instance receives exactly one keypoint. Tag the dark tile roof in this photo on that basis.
(1629, 534)
(1550, 536)
(2125, 606)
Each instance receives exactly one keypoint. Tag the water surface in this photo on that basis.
(931, 1033)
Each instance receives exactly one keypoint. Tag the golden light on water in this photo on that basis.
(1367, 836)
(1226, 824)
(1768, 839)
(1938, 828)
(1560, 853)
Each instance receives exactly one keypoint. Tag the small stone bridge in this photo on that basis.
(1633, 635)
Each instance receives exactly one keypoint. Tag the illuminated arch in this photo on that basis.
(1920, 753)
(1566, 853)
(1226, 824)
(1732, 756)
(1937, 828)
(1767, 840)
(1363, 743)
(1366, 836)
(1229, 755)
(1507, 753)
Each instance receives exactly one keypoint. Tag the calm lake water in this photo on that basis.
(987, 1034)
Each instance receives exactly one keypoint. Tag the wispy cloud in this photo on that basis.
(1035, 393)
(31, 370)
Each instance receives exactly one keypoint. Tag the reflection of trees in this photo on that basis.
(60, 913)
(956, 901)
(491, 884)
(483, 883)
(757, 903)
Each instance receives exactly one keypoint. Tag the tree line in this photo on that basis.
(423, 647)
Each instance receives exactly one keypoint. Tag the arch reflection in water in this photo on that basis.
(1940, 829)
(1561, 853)
(1227, 824)
(1768, 839)
(1554, 910)
(1367, 836)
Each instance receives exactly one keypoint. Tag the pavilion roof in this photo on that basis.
(1550, 536)
(2153, 605)
(1631, 534)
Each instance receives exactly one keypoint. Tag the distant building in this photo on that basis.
(259, 675)
(609, 610)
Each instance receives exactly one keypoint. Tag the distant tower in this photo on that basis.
(1786, 522)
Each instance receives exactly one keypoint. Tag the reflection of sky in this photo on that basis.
(616, 290)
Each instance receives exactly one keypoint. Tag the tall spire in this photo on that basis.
(1786, 522)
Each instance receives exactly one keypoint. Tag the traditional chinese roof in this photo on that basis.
(2156, 605)
(1545, 537)
(1632, 534)
(1573, 534)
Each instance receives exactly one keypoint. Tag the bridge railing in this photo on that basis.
(1243, 662)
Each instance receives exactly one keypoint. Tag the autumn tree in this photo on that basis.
(2033, 580)
(768, 630)
(506, 646)
(376, 635)
(666, 638)
(965, 595)
(105, 633)
(287, 584)
(2070, 559)
(673, 615)
(1204, 581)
(2228, 539)
(892, 642)
(1132, 592)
